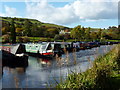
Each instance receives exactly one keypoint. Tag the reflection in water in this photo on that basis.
(44, 62)
(20, 70)
(41, 72)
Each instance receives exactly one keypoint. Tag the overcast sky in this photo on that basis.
(88, 13)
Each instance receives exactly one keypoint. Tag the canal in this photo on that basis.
(41, 73)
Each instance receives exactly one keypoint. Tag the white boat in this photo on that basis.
(43, 49)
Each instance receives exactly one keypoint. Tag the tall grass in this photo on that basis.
(104, 73)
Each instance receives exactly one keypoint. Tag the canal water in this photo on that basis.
(41, 73)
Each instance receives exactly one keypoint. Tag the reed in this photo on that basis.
(104, 73)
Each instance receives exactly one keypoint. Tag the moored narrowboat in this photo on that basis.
(42, 49)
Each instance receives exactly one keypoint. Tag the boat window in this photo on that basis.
(57, 47)
(52, 45)
(49, 47)
(43, 46)
(62, 46)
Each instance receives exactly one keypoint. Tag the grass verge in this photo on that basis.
(104, 73)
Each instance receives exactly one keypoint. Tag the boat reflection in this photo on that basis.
(20, 70)
(45, 62)
(15, 68)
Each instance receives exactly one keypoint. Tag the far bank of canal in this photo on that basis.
(42, 72)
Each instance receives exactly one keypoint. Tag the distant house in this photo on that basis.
(64, 31)
(93, 30)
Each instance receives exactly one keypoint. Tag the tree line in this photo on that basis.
(10, 30)
(81, 33)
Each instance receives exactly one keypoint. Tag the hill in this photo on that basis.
(20, 21)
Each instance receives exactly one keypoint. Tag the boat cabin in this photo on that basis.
(43, 48)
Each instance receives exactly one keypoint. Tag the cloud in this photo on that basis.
(73, 12)
(2, 14)
(47, 13)
(9, 12)
(101, 0)
(59, 0)
(95, 10)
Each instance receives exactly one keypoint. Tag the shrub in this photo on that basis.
(6, 38)
(20, 39)
(57, 37)
(26, 39)
(103, 74)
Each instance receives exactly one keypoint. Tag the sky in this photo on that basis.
(70, 13)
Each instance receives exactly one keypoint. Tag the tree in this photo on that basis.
(87, 33)
(4, 31)
(67, 36)
(6, 38)
(19, 31)
(99, 33)
(5, 27)
(75, 32)
(83, 33)
(61, 37)
(51, 32)
(57, 37)
(118, 31)
(26, 39)
(93, 35)
(27, 28)
(103, 35)
(13, 33)
(34, 30)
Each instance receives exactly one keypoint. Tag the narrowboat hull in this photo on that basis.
(12, 60)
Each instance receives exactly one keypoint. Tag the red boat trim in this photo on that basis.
(50, 53)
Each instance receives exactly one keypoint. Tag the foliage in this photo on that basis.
(13, 33)
(6, 38)
(87, 33)
(103, 74)
(57, 37)
(99, 33)
(5, 30)
(5, 27)
(51, 32)
(25, 39)
(83, 33)
(19, 31)
(35, 28)
(118, 32)
(27, 28)
(20, 39)
(75, 32)
(93, 35)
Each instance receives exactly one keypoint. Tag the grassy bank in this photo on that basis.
(105, 73)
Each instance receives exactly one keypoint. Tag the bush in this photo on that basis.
(20, 39)
(103, 74)
(57, 37)
(26, 39)
(42, 39)
(6, 38)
